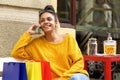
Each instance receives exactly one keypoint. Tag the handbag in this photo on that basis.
(38, 70)
(45, 69)
(33, 70)
(14, 71)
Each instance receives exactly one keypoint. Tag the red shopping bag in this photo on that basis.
(14, 71)
(45, 68)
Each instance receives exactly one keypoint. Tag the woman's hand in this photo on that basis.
(32, 29)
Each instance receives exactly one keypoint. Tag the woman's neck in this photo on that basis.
(53, 37)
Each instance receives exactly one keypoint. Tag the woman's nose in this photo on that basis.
(46, 21)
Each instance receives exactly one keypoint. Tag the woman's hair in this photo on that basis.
(50, 9)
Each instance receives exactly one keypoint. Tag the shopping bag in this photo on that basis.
(33, 70)
(14, 71)
(45, 69)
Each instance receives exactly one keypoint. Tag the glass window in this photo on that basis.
(99, 17)
(63, 10)
(99, 13)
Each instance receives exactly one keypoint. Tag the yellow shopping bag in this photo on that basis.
(33, 70)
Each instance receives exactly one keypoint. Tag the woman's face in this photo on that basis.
(47, 22)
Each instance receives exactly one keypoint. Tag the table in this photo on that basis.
(107, 60)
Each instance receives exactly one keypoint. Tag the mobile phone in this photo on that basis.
(38, 29)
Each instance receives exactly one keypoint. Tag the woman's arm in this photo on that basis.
(19, 48)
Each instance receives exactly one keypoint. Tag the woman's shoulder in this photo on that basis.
(67, 36)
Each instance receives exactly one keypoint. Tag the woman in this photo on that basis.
(61, 50)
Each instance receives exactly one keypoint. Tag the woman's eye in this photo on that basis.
(42, 20)
(49, 19)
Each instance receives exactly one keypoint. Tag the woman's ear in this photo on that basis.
(57, 23)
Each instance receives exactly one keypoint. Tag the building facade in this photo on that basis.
(16, 16)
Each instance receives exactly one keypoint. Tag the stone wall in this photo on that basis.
(16, 16)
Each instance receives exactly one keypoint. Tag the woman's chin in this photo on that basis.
(48, 31)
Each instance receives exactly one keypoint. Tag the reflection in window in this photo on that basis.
(102, 13)
(106, 13)
(104, 18)
(63, 9)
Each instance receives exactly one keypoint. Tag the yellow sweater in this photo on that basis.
(65, 57)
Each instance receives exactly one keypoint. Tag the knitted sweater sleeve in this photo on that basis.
(19, 48)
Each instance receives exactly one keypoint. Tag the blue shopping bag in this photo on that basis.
(14, 71)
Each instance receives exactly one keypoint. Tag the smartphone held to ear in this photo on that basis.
(38, 30)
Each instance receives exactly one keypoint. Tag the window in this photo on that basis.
(99, 17)
(66, 12)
